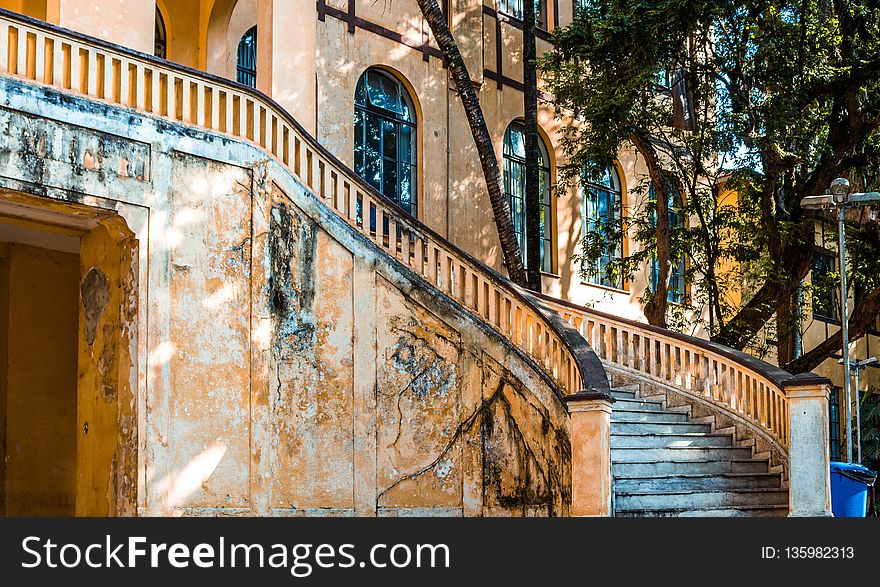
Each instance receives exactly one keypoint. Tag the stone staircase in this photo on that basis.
(663, 464)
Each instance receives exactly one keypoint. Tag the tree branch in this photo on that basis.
(861, 321)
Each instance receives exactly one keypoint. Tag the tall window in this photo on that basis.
(246, 72)
(160, 40)
(834, 423)
(515, 189)
(823, 290)
(677, 290)
(602, 200)
(385, 138)
(515, 9)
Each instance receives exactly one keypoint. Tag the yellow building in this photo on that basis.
(274, 221)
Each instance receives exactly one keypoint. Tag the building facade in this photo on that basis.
(357, 113)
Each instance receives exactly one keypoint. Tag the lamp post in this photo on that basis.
(841, 199)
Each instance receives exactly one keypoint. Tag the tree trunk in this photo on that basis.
(485, 148)
(655, 309)
(787, 321)
(530, 110)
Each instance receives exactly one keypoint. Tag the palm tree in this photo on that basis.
(530, 113)
(485, 147)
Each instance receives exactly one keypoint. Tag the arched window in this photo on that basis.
(677, 290)
(160, 42)
(246, 72)
(385, 138)
(603, 200)
(515, 189)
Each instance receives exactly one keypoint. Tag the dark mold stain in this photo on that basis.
(291, 282)
(95, 291)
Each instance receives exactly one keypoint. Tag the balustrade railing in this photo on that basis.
(70, 62)
(736, 382)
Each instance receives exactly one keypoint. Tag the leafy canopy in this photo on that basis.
(748, 106)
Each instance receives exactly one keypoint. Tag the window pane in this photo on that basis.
(389, 139)
(823, 287)
(360, 92)
(160, 41)
(389, 187)
(517, 143)
(407, 188)
(514, 169)
(372, 157)
(359, 143)
(383, 93)
(834, 423)
(407, 145)
(602, 202)
(246, 72)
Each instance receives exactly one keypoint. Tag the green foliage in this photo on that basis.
(870, 415)
(780, 97)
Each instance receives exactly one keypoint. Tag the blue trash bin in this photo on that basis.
(849, 489)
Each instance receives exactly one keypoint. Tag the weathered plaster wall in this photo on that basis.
(41, 381)
(284, 364)
(451, 431)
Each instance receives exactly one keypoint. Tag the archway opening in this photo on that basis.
(67, 407)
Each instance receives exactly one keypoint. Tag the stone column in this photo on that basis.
(590, 430)
(809, 474)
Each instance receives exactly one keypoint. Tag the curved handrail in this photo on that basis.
(72, 62)
(750, 388)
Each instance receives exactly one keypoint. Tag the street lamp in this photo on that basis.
(841, 198)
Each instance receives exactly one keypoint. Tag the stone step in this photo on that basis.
(700, 499)
(683, 453)
(658, 428)
(647, 468)
(619, 394)
(701, 482)
(662, 440)
(629, 415)
(637, 404)
(727, 512)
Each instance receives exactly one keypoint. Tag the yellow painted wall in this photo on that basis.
(41, 382)
(34, 8)
(182, 18)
